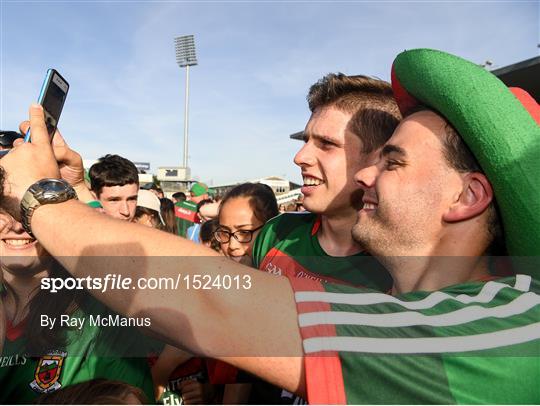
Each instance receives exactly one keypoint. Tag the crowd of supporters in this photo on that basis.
(392, 294)
(227, 224)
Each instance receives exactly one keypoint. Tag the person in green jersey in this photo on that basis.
(438, 200)
(39, 357)
(186, 211)
(351, 118)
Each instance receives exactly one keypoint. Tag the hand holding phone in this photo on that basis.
(29, 162)
(51, 97)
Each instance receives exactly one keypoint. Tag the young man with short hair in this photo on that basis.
(115, 182)
(352, 117)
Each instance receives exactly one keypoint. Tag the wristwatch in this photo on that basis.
(45, 191)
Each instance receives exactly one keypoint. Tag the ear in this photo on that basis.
(474, 199)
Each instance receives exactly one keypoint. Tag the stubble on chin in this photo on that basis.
(375, 236)
(361, 235)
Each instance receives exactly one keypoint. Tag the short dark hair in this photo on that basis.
(459, 157)
(153, 214)
(112, 170)
(180, 196)
(375, 114)
(206, 234)
(261, 198)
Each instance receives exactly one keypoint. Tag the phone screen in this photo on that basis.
(53, 99)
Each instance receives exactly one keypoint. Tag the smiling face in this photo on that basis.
(120, 201)
(21, 254)
(235, 215)
(329, 159)
(407, 193)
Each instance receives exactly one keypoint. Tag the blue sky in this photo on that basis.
(256, 63)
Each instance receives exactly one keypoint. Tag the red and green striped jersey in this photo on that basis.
(90, 352)
(186, 216)
(288, 245)
(471, 343)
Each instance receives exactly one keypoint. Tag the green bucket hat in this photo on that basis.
(499, 125)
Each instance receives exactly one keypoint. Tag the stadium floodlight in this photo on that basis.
(185, 57)
(185, 51)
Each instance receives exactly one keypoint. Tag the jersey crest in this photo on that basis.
(48, 370)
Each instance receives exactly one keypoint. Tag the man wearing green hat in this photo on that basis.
(186, 211)
(451, 182)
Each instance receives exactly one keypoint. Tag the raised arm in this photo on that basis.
(254, 328)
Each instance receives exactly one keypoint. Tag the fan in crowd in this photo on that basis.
(115, 182)
(186, 211)
(148, 211)
(167, 212)
(193, 232)
(207, 234)
(179, 197)
(244, 210)
(48, 354)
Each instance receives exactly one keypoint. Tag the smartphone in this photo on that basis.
(52, 97)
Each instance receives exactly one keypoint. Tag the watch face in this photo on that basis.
(52, 185)
(45, 191)
(51, 188)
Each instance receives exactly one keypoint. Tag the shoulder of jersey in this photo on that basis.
(290, 219)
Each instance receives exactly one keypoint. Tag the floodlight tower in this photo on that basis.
(185, 57)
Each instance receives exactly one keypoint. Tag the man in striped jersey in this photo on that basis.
(431, 215)
(449, 334)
